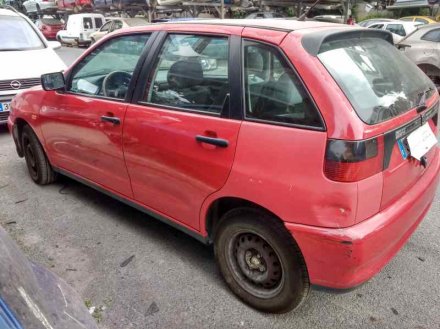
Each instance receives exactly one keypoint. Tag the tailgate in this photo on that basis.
(400, 173)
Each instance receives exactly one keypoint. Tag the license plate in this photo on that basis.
(5, 106)
(420, 141)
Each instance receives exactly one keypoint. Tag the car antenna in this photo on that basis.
(303, 16)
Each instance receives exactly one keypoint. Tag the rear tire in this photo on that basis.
(38, 165)
(260, 261)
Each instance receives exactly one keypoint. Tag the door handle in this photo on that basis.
(213, 141)
(116, 121)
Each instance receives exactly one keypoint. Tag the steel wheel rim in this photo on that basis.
(254, 264)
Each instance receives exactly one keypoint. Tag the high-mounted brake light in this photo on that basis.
(351, 161)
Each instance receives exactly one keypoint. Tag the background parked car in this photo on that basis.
(423, 48)
(266, 14)
(115, 24)
(75, 5)
(24, 56)
(39, 6)
(399, 29)
(49, 27)
(79, 27)
(419, 19)
(369, 22)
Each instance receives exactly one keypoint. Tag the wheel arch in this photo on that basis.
(222, 205)
(20, 123)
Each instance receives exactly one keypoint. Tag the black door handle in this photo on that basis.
(211, 140)
(114, 120)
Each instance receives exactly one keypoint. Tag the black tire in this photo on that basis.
(38, 165)
(260, 261)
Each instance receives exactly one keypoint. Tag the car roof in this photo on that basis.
(7, 12)
(271, 23)
(87, 15)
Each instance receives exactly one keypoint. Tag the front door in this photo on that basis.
(83, 126)
(178, 143)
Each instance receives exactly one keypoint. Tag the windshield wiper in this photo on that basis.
(421, 106)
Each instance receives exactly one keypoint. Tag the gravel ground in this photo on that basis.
(170, 280)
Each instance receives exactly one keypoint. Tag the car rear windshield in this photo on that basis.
(51, 21)
(17, 34)
(377, 79)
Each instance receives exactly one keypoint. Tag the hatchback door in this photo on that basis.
(83, 126)
(179, 139)
(396, 101)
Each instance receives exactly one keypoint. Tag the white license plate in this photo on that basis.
(5, 107)
(420, 141)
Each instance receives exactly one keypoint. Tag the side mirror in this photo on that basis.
(53, 81)
(54, 45)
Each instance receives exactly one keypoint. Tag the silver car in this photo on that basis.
(423, 48)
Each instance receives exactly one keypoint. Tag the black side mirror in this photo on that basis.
(53, 81)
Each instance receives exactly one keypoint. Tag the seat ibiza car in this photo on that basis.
(304, 151)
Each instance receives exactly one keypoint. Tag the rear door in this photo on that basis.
(180, 135)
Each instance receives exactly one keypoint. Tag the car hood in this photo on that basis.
(29, 63)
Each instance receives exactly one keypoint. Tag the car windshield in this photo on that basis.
(18, 34)
(377, 79)
(51, 21)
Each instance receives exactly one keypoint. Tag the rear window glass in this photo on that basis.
(51, 21)
(377, 79)
(98, 22)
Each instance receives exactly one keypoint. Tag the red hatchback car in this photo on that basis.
(49, 27)
(304, 151)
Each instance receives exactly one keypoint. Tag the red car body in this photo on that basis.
(49, 27)
(74, 5)
(346, 231)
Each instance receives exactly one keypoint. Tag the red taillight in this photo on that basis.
(351, 161)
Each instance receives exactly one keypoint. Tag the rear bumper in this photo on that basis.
(344, 258)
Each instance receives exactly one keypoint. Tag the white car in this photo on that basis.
(399, 29)
(24, 56)
(40, 6)
(116, 23)
(79, 27)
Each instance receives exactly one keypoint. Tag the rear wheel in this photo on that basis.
(260, 261)
(37, 163)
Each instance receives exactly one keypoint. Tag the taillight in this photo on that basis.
(351, 161)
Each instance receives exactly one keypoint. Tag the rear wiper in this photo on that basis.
(422, 102)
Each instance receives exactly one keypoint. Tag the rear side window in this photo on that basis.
(396, 29)
(433, 36)
(379, 81)
(273, 91)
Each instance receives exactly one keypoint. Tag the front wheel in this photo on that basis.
(37, 163)
(260, 261)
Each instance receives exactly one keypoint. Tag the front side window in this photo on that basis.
(87, 23)
(17, 34)
(272, 89)
(433, 35)
(106, 26)
(396, 29)
(379, 81)
(108, 69)
(191, 73)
